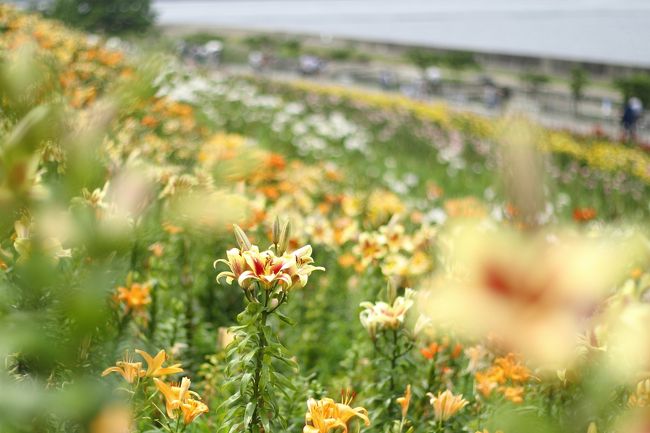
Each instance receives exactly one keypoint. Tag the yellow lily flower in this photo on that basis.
(193, 408)
(303, 268)
(154, 364)
(325, 415)
(235, 262)
(445, 404)
(175, 395)
(381, 316)
(129, 370)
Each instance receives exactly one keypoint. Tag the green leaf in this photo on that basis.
(285, 319)
(248, 414)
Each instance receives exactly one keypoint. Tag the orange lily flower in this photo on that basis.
(154, 364)
(193, 408)
(405, 401)
(445, 404)
(129, 370)
(325, 415)
(134, 297)
(175, 395)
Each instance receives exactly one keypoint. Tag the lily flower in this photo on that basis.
(175, 395)
(155, 364)
(191, 409)
(325, 415)
(235, 262)
(267, 269)
(445, 404)
(128, 369)
(303, 268)
(381, 315)
(135, 297)
(405, 401)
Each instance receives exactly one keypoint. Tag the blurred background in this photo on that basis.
(571, 64)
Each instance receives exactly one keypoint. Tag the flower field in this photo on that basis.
(185, 252)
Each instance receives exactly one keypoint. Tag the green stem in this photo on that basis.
(393, 363)
(258, 398)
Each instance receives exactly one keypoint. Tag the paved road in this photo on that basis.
(610, 31)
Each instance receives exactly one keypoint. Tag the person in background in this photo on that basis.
(631, 114)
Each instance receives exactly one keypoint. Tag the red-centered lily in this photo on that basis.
(303, 268)
(267, 269)
(155, 364)
(236, 263)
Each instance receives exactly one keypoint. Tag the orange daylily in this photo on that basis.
(325, 415)
(175, 395)
(135, 297)
(445, 404)
(405, 401)
(128, 369)
(154, 364)
(191, 409)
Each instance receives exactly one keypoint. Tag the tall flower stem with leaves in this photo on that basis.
(256, 355)
(384, 322)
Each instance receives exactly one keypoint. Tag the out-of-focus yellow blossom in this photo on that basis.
(446, 405)
(466, 207)
(113, 419)
(506, 375)
(325, 415)
(225, 337)
(535, 285)
(24, 242)
(370, 247)
(383, 205)
(641, 396)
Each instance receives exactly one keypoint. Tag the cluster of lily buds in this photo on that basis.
(271, 269)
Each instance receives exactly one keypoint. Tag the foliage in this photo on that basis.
(635, 85)
(104, 16)
(535, 81)
(579, 80)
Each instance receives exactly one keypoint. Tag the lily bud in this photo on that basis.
(276, 230)
(592, 428)
(283, 241)
(241, 238)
